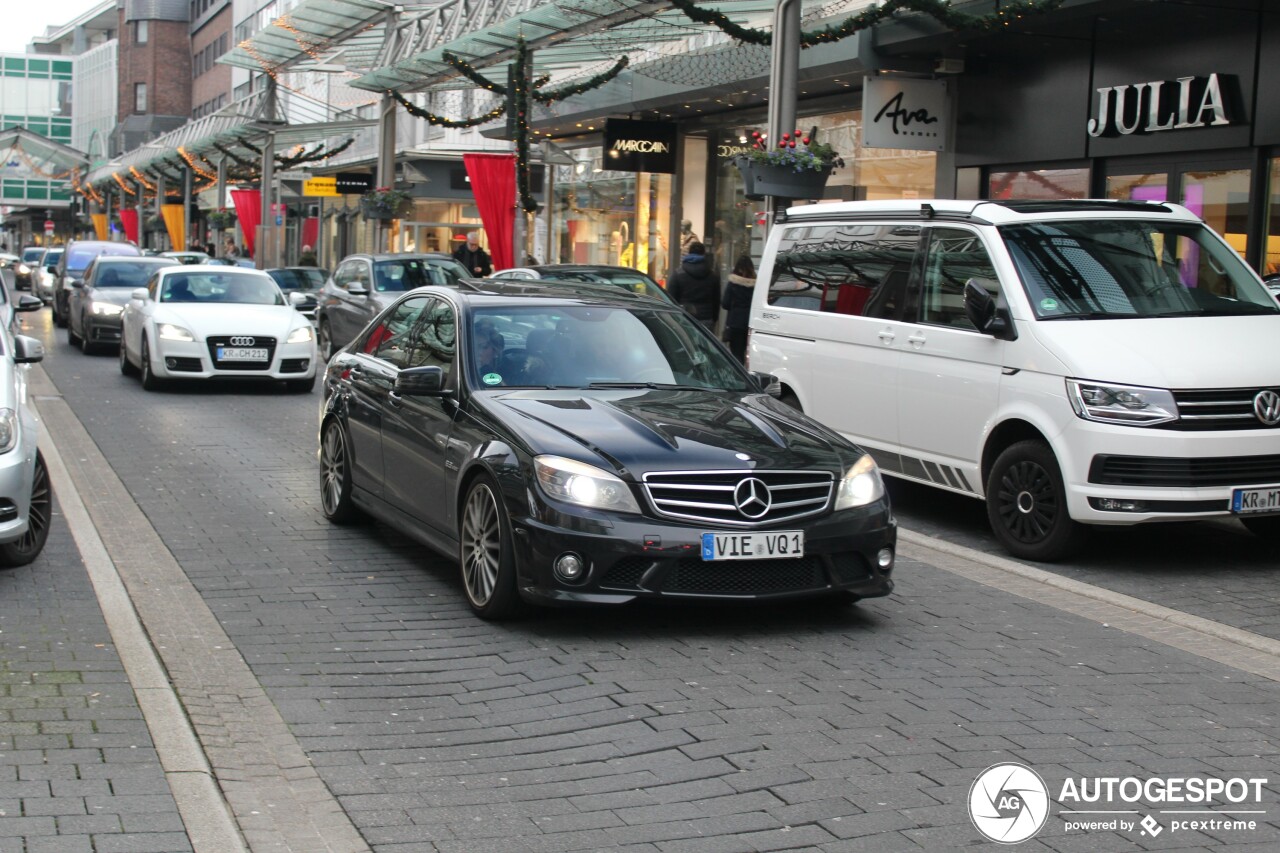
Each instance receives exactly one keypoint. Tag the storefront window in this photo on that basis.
(1271, 252)
(1039, 184)
(604, 217)
(1151, 186)
(436, 226)
(1221, 198)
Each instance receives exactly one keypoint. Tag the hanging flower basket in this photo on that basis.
(385, 203)
(797, 167)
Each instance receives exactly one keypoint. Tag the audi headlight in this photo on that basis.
(582, 484)
(170, 332)
(8, 430)
(300, 335)
(861, 485)
(106, 309)
(1121, 404)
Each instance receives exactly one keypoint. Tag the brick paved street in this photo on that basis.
(655, 728)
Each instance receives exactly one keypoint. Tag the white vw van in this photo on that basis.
(1070, 362)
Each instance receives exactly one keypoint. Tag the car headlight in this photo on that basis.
(106, 309)
(300, 335)
(582, 484)
(23, 269)
(170, 332)
(8, 430)
(1121, 404)
(861, 485)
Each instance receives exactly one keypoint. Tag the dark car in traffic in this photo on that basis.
(301, 286)
(25, 269)
(363, 285)
(97, 300)
(71, 266)
(625, 277)
(596, 447)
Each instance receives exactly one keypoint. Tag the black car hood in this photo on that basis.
(636, 431)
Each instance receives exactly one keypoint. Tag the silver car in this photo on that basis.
(26, 498)
(44, 277)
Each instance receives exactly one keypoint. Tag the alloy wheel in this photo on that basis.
(324, 342)
(481, 545)
(333, 471)
(1026, 502)
(38, 516)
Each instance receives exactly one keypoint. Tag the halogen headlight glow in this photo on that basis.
(170, 332)
(1121, 404)
(106, 309)
(300, 335)
(23, 269)
(8, 430)
(582, 484)
(861, 485)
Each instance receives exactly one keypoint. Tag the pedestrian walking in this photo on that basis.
(696, 286)
(307, 258)
(472, 256)
(737, 304)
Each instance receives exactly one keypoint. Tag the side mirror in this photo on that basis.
(27, 302)
(77, 283)
(357, 289)
(27, 350)
(985, 315)
(768, 383)
(420, 381)
(139, 294)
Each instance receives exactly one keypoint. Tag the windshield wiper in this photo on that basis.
(663, 386)
(1091, 315)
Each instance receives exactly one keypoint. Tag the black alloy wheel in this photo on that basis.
(26, 548)
(486, 553)
(324, 342)
(150, 382)
(335, 474)
(1027, 504)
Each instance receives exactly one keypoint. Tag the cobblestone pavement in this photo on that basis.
(648, 728)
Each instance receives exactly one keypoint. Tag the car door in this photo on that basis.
(77, 300)
(133, 320)
(348, 312)
(949, 372)
(417, 429)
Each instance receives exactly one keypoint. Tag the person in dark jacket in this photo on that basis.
(472, 256)
(696, 286)
(737, 303)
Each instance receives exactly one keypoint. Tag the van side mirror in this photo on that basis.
(986, 316)
(768, 383)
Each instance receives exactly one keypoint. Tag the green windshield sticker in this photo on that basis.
(1048, 305)
(491, 379)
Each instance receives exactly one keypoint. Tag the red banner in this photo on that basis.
(310, 231)
(249, 211)
(493, 183)
(129, 219)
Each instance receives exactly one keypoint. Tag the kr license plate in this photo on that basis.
(776, 544)
(1255, 500)
(242, 354)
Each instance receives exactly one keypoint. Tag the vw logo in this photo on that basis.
(752, 497)
(242, 341)
(1267, 407)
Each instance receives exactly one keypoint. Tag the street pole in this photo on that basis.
(784, 74)
(386, 162)
(266, 232)
(187, 177)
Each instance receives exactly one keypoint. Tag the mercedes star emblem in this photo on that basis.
(752, 497)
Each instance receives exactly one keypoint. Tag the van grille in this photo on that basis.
(1184, 473)
(710, 495)
(1217, 409)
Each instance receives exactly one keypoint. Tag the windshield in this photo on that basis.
(398, 275)
(125, 273)
(569, 346)
(79, 257)
(235, 287)
(298, 279)
(31, 255)
(1127, 268)
(51, 257)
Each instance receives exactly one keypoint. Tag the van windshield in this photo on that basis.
(1103, 269)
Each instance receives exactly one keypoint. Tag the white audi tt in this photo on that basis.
(216, 322)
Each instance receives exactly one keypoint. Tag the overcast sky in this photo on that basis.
(23, 20)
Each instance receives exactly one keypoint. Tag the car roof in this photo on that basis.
(991, 212)
(220, 269)
(534, 292)
(399, 256)
(133, 259)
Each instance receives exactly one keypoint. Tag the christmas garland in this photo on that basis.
(235, 158)
(466, 69)
(431, 118)
(548, 97)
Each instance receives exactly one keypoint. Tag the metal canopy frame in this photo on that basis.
(43, 152)
(316, 30)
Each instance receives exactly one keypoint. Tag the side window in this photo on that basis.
(342, 276)
(88, 277)
(954, 256)
(858, 269)
(435, 338)
(360, 274)
(390, 338)
(152, 284)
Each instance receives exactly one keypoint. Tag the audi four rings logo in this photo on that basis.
(1267, 407)
(752, 497)
(242, 341)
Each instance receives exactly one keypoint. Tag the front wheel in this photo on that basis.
(1027, 504)
(1264, 527)
(150, 382)
(25, 549)
(324, 342)
(335, 475)
(126, 366)
(59, 316)
(72, 338)
(486, 553)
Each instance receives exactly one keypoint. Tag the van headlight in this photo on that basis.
(1121, 404)
(861, 485)
(582, 484)
(300, 335)
(8, 430)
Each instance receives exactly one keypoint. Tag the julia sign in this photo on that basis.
(1160, 105)
(902, 113)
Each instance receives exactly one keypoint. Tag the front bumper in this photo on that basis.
(102, 328)
(635, 557)
(193, 360)
(17, 468)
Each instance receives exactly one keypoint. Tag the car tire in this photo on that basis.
(126, 366)
(150, 382)
(1027, 504)
(72, 338)
(486, 553)
(335, 474)
(59, 314)
(86, 346)
(300, 386)
(324, 341)
(789, 399)
(1264, 527)
(40, 513)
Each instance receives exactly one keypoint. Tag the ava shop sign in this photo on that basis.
(904, 113)
(1160, 105)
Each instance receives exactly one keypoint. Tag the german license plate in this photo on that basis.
(776, 544)
(241, 354)
(1255, 500)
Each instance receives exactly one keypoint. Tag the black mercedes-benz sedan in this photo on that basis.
(591, 445)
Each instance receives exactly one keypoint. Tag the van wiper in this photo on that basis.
(1092, 315)
(663, 386)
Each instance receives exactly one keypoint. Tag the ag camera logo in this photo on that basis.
(1008, 803)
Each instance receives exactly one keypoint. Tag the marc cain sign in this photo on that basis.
(1179, 104)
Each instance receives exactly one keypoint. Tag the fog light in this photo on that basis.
(570, 568)
(1116, 505)
(885, 558)
(171, 363)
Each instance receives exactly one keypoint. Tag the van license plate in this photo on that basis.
(1255, 500)
(776, 544)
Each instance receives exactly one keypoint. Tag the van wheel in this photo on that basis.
(1027, 504)
(1266, 527)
